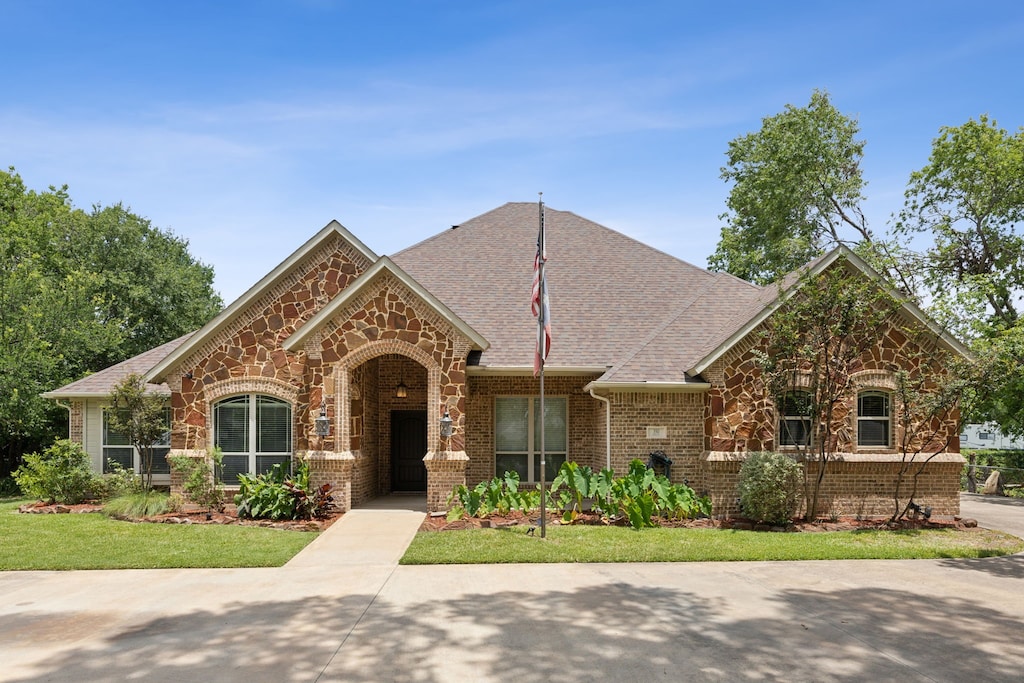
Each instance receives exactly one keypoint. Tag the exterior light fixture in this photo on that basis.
(446, 424)
(401, 391)
(323, 425)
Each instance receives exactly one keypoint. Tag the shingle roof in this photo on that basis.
(617, 305)
(610, 294)
(102, 383)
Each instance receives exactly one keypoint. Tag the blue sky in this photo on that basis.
(245, 127)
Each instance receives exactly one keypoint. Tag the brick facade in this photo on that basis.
(383, 332)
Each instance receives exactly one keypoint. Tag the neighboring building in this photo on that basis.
(650, 353)
(988, 436)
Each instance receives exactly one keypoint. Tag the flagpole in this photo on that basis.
(541, 340)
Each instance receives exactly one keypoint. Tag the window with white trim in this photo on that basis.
(873, 419)
(517, 436)
(117, 449)
(254, 433)
(795, 421)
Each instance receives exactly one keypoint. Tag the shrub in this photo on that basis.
(487, 497)
(199, 484)
(120, 482)
(275, 495)
(60, 474)
(769, 487)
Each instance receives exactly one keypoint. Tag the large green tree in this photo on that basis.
(796, 191)
(80, 291)
(968, 203)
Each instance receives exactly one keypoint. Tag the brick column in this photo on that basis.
(445, 471)
(327, 467)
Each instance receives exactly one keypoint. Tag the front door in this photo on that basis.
(408, 446)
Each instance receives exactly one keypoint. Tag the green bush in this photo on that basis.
(60, 474)
(199, 484)
(769, 487)
(120, 482)
(275, 495)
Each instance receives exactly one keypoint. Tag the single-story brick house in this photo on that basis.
(650, 353)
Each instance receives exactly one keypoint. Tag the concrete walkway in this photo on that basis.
(923, 620)
(375, 534)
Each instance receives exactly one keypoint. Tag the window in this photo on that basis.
(517, 436)
(795, 423)
(254, 433)
(116, 448)
(873, 418)
(985, 436)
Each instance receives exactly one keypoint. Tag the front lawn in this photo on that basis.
(94, 541)
(618, 544)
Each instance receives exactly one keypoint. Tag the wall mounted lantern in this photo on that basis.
(401, 391)
(446, 425)
(323, 425)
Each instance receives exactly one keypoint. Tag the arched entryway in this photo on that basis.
(385, 389)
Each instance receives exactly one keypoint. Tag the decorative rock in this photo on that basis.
(994, 484)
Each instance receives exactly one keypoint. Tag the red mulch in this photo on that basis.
(440, 523)
(192, 515)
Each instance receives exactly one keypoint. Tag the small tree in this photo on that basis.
(815, 341)
(933, 395)
(139, 415)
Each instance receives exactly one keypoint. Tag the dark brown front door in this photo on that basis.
(408, 446)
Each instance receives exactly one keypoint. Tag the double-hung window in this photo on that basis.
(117, 449)
(254, 433)
(873, 421)
(517, 423)
(795, 422)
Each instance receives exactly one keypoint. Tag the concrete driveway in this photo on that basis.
(923, 620)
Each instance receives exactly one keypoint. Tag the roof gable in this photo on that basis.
(383, 266)
(280, 275)
(776, 294)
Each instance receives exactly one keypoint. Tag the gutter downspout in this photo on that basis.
(607, 426)
(66, 406)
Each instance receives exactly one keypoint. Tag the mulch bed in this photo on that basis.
(192, 515)
(516, 518)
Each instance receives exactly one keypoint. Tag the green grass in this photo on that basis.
(617, 544)
(94, 541)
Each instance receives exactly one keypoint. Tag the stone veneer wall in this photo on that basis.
(741, 416)
(586, 419)
(249, 347)
(682, 414)
(857, 486)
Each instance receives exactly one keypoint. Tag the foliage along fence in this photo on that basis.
(981, 462)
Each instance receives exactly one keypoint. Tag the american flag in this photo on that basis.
(540, 304)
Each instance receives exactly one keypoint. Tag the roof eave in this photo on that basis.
(653, 387)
